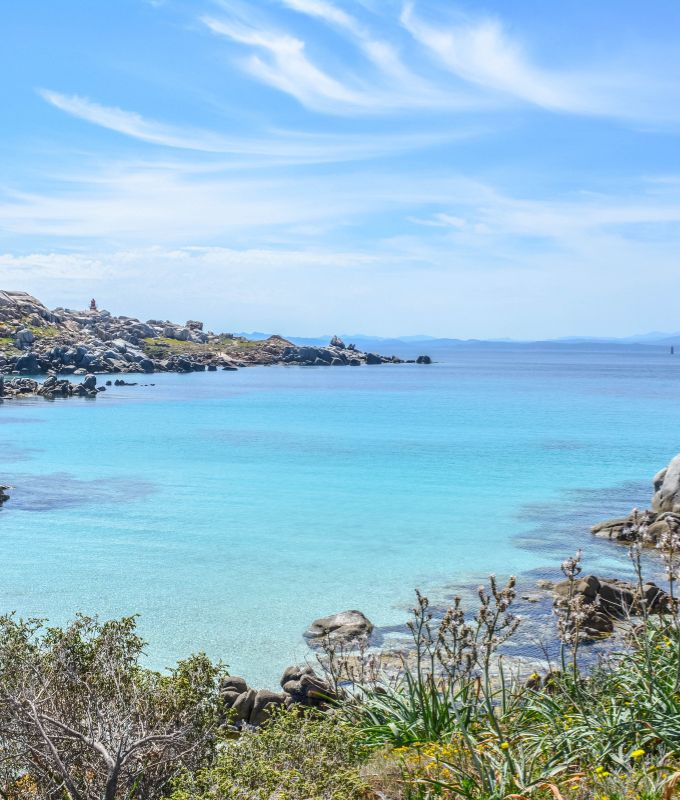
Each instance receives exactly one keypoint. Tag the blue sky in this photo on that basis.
(386, 166)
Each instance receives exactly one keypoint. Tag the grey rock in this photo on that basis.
(346, 626)
(234, 683)
(28, 364)
(243, 706)
(667, 495)
(610, 528)
(263, 704)
(229, 697)
(295, 672)
(303, 686)
(24, 338)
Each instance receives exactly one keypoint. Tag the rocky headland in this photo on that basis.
(36, 340)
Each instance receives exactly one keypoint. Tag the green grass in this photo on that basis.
(44, 331)
(236, 348)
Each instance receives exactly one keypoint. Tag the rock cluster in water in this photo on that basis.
(34, 340)
(603, 601)
(51, 387)
(653, 526)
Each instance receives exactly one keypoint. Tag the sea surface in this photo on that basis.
(230, 509)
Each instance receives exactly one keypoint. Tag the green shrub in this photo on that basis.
(296, 756)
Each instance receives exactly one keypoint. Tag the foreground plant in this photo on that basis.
(298, 755)
(81, 719)
(459, 725)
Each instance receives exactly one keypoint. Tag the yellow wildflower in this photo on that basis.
(505, 745)
(637, 753)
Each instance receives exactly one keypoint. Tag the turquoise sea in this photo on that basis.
(230, 509)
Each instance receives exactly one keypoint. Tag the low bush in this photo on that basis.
(298, 755)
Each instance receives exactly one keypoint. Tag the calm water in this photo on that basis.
(230, 509)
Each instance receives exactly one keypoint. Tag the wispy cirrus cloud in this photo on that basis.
(481, 52)
(288, 67)
(472, 63)
(280, 59)
(281, 145)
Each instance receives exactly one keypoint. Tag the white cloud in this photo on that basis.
(289, 68)
(131, 124)
(281, 61)
(278, 146)
(473, 65)
(327, 12)
(482, 53)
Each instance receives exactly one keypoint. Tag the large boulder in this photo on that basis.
(24, 338)
(28, 364)
(243, 706)
(263, 704)
(303, 686)
(344, 627)
(611, 528)
(667, 488)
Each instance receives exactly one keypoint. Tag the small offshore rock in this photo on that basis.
(346, 626)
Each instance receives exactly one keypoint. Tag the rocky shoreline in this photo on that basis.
(36, 340)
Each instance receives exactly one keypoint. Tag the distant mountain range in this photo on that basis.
(405, 346)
